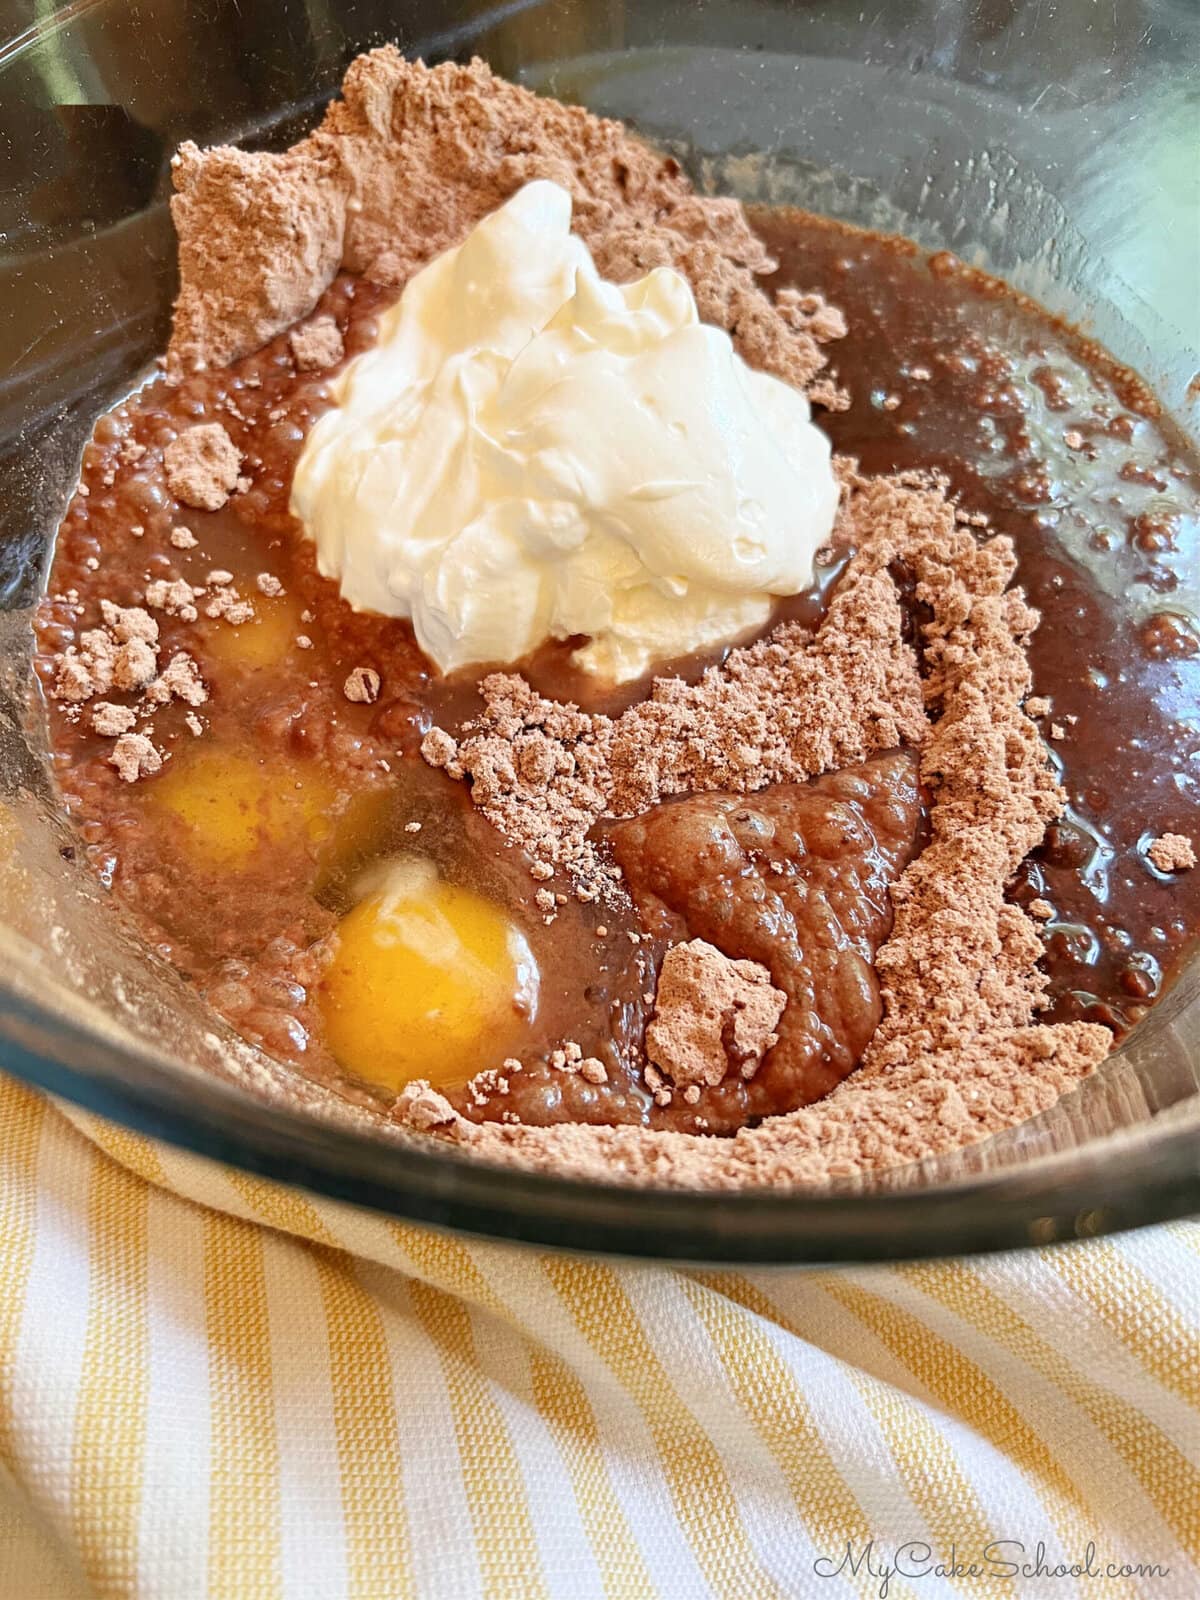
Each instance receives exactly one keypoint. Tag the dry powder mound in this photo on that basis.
(873, 1121)
(135, 756)
(787, 708)
(958, 1054)
(405, 164)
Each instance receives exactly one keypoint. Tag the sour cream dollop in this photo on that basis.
(530, 452)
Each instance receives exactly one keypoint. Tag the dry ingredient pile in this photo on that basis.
(785, 912)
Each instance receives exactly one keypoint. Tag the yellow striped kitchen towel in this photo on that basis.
(214, 1386)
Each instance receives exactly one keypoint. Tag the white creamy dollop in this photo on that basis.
(529, 452)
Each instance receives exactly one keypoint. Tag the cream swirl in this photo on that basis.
(530, 452)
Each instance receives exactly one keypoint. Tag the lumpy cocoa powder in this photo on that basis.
(933, 977)
(405, 164)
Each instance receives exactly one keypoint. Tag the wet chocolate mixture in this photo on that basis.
(242, 852)
(1068, 455)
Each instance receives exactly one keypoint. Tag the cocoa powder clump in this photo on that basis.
(362, 686)
(404, 165)
(423, 1108)
(87, 670)
(122, 654)
(135, 756)
(174, 596)
(1172, 852)
(317, 344)
(202, 465)
(134, 664)
(712, 1015)
(180, 679)
(127, 623)
(109, 719)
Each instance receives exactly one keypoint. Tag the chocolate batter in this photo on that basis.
(946, 370)
(1068, 455)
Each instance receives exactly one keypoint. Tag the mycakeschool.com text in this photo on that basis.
(1002, 1558)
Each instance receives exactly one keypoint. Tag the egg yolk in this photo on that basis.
(424, 974)
(233, 806)
(269, 637)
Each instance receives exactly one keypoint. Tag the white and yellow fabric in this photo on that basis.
(212, 1386)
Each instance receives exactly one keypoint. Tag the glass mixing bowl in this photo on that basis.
(1054, 144)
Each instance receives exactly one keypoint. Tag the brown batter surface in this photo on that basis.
(1070, 458)
(773, 813)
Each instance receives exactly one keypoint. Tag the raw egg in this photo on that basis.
(424, 976)
(269, 637)
(232, 806)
